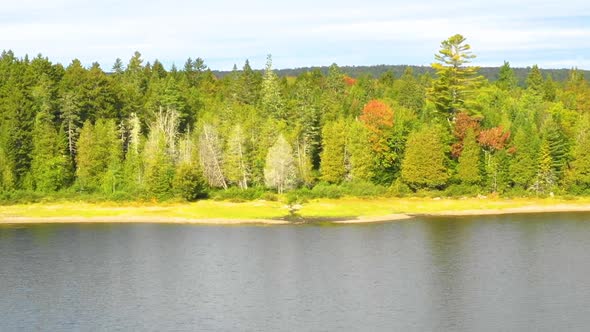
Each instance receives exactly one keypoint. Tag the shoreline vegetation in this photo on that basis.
(328, 211)
(154, 140)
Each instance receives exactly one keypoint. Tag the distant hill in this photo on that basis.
(491, 73)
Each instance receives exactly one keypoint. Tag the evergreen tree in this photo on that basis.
(361, 159)
(98, 157)
(272, 101)
(506, 78)
(334, 155)
(408, 92)
(468, 169)
(49, 165)
(559, 147)
(535, 82)
(70, 116)
(188, 182)
(578, 175)
(524, 163)
(159, 167)
(6, 172)
(188, 179)
(250, 85)
(86, 160)
(455, 81)
(545, 175)
(118, 66)
(424, 164)
(549, 89)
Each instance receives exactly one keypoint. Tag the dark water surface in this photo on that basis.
(506, 273)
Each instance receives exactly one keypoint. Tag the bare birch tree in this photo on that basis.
(211, 157)
(235, 161)
(280, 172)
(166, 122)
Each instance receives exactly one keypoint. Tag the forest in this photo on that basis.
(141, 132)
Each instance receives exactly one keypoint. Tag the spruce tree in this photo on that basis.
(361, 158)
(334, 159)
(49, 165)
(424, 163)
(468, 169)
(545, 175)
(159, 167)
(98, 157)
(506, 78)
(272, 100)
(524, 163)
(578, 176)
(535, 82)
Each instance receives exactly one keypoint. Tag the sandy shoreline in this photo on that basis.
(357, 220)
(138, 219)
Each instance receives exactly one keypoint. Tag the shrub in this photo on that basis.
(399, 189)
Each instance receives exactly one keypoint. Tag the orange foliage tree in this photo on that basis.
(349, 81)
(377, 117)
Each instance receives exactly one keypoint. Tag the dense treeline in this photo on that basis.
(143, 132)
(490, 73)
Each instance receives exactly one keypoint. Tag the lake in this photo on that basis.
(492, 273)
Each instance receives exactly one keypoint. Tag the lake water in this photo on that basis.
(505, 273)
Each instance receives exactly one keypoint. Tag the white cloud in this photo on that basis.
(300, 33)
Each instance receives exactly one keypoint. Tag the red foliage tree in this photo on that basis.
(493, 139)
(463, 122)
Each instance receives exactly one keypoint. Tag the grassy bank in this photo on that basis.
(343, 208)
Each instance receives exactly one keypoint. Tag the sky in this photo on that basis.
(302, 33)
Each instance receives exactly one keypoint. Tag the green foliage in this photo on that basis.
(49, 166)
(524, 163)
(545, 175)
(424, 164)
(506, 77)
(360, 156)
(6, 173)
(399, 189)
(98, 156)
(189, 183)
(535, 81)
(271, 101)
(462, 190)
(327, 190)
(145, 132)
(468, 169)
(159, 167)
(334, 163)
(578, 176)
(455, 82)
(408, 91)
